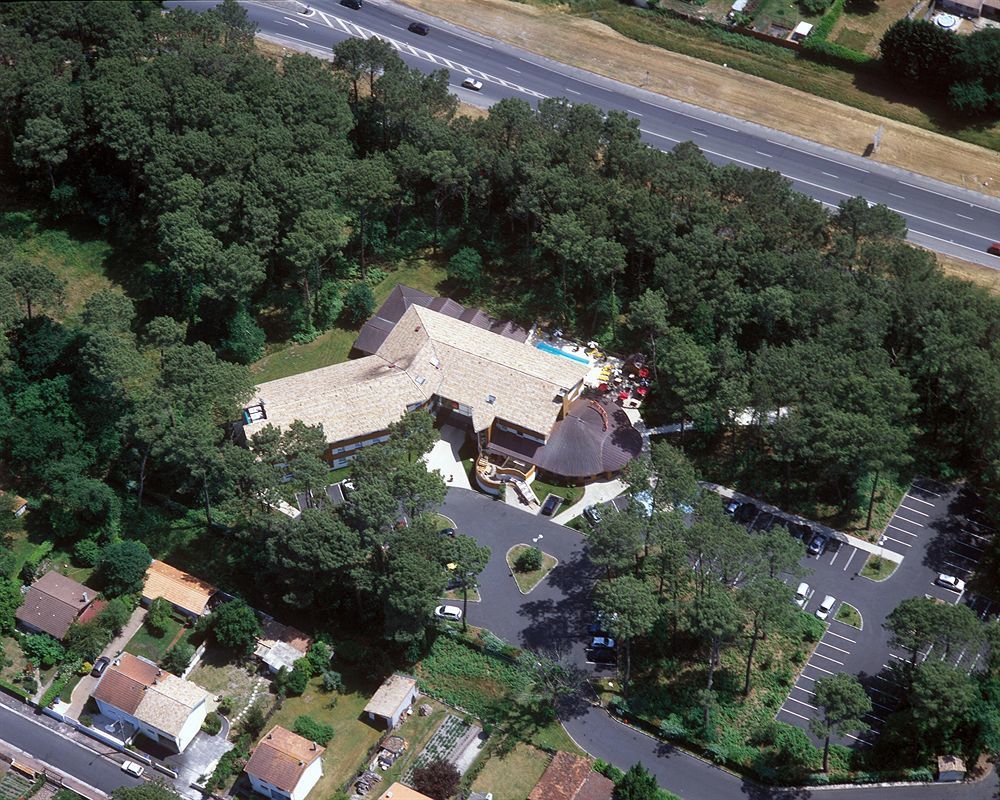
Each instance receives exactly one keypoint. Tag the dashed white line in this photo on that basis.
(699, 133)
(830, 175)
(963, 216)
(953, 243)
(893, 194)
(514, 70)
(731, 158)
(814, 155)
(660, 135)
(458, 49)
(397, 27)
(279, 22)
(572, 91)
(630, 111)
(948, 196)
(761, 152)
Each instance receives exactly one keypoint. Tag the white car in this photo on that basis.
(825, 607)
(802, 595)
(448, 612)
(132, 768)
(472, 83)
(950, 582)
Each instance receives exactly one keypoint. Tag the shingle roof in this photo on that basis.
(53, 603)
(178, 588)
(400, 791)
(570, 777)
(124, 683)
(390, 695)
(281, 757)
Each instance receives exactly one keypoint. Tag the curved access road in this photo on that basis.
(941, 217)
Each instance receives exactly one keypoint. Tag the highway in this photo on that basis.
(940, 216)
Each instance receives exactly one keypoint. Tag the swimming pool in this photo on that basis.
(548, 348)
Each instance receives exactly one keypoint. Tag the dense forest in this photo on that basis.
(247, 199)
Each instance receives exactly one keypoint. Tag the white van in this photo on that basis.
(802, 595)
(825, 607)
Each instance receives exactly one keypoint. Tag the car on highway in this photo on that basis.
(100, 665)
(825, 607)
(602, 643)
(802, 595)
(132, 768)
(817, 545)
(355, 4)
(552, 502)
(592, 514)
(448, 612)
(418, 28)
(950, 582)
(472, 83)
(994, 249)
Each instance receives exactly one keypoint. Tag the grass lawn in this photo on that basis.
(877, 568)
(66, 695)
(147, 644)
(570, 494)
(513, 776)
(12, 653)
(526, 581)
(441, 522)
(218, 675)
(456, 595)
(73, 256)
(863, 22)
(849, 614)
(333, 346)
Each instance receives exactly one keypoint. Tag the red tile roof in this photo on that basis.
(124, 683)
(281, 758)
(570, 777)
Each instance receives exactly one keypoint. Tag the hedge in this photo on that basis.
(17, 691)
(66, 674)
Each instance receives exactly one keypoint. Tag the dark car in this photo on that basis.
(800, 530)
(355, 4)
(745, 513)
(447, 531)
(418, 27)
(100, 665)
(552, 502)
(994, 249)
(764, 522)
(817, 545)
(592, 514)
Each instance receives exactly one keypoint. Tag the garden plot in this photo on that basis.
(447, 744)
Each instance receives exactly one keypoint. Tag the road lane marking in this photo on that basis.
(915, 510)
(802, 689)
(833, 647)
(397, 27)
(949, 197)
(893, 194)
(761, 152)
(571, 91)
(963, 216)
(835, 557)
(952, 242)
(660, 135)
(831, 633)
(806, 677)
(279, 22)
(297, 22)
(699, 133)
(897, 541)
(814, 155)
(731, 158)
(458, 49)
(830, 175)
(630, 111)
(854, 553)
(820, 655)
(922, 489)
(919, 500)
(816, 185)
(514, 70)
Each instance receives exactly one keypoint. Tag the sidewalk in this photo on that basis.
(57, 776)
(87, 684)
(444, 457)
(593, 493)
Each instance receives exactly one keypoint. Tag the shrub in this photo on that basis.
(359, 303)
(87, 640)
(212, 724)
(42, 649)
(292, 683)
(528, 560)
(123, 566)
(226, 705)
(86, 719)
(253, 721)
(312, 730)
(814, 6)
(158, 618)
(115, 616)
(319, 656)
(177, 658)
(86, 552)
(333, 681)
(235, 626)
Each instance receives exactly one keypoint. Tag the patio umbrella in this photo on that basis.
(643, 373)
(602, 388)
(641, 391)
(623, 395)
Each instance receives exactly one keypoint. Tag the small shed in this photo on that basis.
(393, 700)
(17, 504)
(950, 768)
(801, 31)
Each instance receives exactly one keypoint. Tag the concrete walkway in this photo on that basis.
(444, 457)
(87, 684)
(593, 493)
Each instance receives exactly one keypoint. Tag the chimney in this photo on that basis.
(302, 763)
(312, 745)
(268, 735)
(86, 597)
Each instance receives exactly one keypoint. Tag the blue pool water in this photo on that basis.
(548, 348)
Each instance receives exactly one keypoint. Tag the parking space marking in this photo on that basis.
(840, 649)
(900, 517)
(925, 502)
(834, 557)
(820, 655)
(901, 530)
(801, 689)
(922, 489)
(807, 719)
(810, 664)
(914, 510)
(956, 566)
(850, 559)
(857, 739)
(804, 703)
(852, 641)
(897, 541)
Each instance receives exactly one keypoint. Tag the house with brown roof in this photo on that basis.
(186, 593)
(521, 405)
(53, 603)
(162, 707)
(570, 777)
(393, 699)
(280, 645)
(284, 765)
(400, 791)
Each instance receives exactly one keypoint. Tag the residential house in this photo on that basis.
(17, 504)
(520, 404)
(400, 791)
(971, 9)
(570, 777)
(187, 594)
(284, 765)
(53, 603)
(280, 645)
(392, 700)
(162, 707)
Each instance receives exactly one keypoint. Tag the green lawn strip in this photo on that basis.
(334, 345)
(149, 645)
(570, 494)
(526, 581)
(221, 678)
(849, 615)
(66, 694)
(456, 595)
(514, 775)
(877, 568)
(441, 522)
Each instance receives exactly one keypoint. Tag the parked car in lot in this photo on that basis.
(800, 530)
(552, 502)
(593, 515)
(802, 595)
(447, 532)
(100, 665)
(732, 507)
(472, 83)
(817, 545)
(745, 513)
(602, 643)
(825, 607)
(132, 768)
(419, 28)
(950, 582)
(448, 612)
(764, 522)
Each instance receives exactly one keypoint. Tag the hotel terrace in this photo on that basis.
(523, 407)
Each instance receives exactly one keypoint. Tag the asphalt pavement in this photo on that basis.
(46, 744)
(941, 217)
